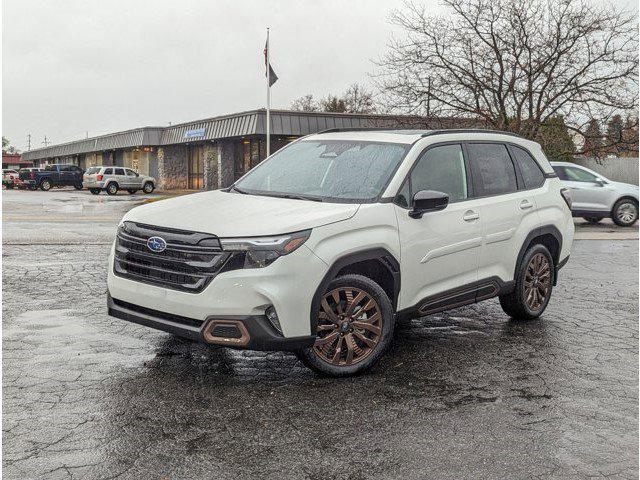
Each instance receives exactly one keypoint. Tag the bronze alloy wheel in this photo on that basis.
(537, 282)
(349, 326)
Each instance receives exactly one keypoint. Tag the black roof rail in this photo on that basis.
(425, 134)
(470, 130)
(358, 129)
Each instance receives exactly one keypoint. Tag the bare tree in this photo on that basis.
(356, 99)
(306, 103)
(514, 64)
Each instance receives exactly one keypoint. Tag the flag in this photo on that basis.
(268, 71)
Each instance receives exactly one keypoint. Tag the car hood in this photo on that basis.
(237, 215)
(625, 188)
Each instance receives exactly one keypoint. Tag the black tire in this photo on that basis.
(132, 191)
(112, 188)
(148, 187)
(517, 304)
(95, 191)
(625, 212)
(45, 185)
(78, 187)
(383, 335)
(33, 187)
(592, 220)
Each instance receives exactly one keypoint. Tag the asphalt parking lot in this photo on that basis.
(466, 394)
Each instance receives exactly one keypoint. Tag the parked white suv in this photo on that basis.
(596, 197)
(323, 245)
(111, 179)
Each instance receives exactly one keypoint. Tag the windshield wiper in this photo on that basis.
(293, 196)
(233, 187)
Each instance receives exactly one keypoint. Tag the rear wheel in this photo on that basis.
(625, 212)
(355, 326)
(112, 188)
(534, 283)
(95, 191)
(148, 187)
(593, 220)
(45, 185)
(78, 187)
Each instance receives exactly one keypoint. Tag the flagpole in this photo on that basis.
(268, 98)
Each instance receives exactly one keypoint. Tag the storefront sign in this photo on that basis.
(198, 132)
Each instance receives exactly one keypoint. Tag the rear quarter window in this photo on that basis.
(531, 173)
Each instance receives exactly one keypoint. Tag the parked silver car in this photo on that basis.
(595, 197)
(111, 179)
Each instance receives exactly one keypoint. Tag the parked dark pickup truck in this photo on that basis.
(57, 175)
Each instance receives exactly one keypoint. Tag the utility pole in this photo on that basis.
(28, 142)
(46, 142)
(87, 134)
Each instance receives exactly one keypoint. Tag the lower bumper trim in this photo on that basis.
(260, 334)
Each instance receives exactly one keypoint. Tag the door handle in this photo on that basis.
(524, 204)
(470, 215)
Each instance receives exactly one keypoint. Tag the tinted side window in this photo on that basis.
(131, 173)
(439, 168)
(65, 168)
(531, 173)
(492, 169)
(578, 175)
(560, 172)
(119, 171)
(108, 171)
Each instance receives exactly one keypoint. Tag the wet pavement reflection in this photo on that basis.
(466, 394)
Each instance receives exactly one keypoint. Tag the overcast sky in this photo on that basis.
(72, 66)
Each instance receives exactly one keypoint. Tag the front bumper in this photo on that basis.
(288, 284)
(254, 332)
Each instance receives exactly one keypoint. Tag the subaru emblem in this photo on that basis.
(156, 244)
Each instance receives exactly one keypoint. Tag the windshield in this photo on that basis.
(326, 170)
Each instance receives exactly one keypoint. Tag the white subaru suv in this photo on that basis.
(320, 248)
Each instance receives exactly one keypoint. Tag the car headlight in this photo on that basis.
(262, 251)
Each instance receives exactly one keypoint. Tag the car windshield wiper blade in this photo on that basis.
(233, 187)
(294, 196)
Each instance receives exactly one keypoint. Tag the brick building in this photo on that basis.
(212, 153)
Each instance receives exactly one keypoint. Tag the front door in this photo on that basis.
(196, 167)
(439, 252)
(587, 192)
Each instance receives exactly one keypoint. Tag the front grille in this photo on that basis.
(189, 262)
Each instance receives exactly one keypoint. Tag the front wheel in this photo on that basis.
(148, 187)
(45, 185)
(355, 324)
(534, 283)
(625, 212)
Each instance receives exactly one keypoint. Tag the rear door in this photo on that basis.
(120, 177)
(108, 175)
(508, 211)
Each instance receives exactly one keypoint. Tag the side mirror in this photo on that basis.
(426, 201)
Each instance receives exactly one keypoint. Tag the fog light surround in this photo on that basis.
(272, 316)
